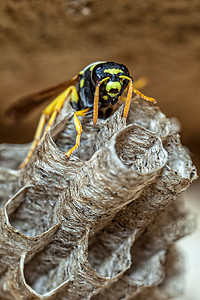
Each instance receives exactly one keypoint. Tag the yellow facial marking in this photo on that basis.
(113, 71)
(113, 85)
(81, 83)
(112, 94)
(105, 97)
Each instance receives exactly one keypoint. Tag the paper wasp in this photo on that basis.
(97, 86)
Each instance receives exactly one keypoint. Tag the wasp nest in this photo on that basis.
(103, 224)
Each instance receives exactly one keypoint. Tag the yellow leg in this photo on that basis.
(138, 84)
(131, 89)
(143, 96)
(36, 140)
(53, 109)
(50, 111)
(124, 98)
(78, 129)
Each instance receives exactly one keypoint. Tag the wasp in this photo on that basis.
(96, 87)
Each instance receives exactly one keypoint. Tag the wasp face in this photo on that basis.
(113, 84)
(111, 89)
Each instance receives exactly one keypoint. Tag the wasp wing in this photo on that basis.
(24, 105)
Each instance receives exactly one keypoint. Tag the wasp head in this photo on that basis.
(112, 79)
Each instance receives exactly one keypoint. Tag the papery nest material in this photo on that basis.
(103, 224)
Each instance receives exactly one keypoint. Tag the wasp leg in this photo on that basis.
(137, 84)
(143, 96)
(78, 129)
(129, 96)
(36, 140)
(59, 102)
(51, 112)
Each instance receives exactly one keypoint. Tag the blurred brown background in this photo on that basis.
(46, 42)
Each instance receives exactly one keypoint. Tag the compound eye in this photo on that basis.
(98, 68)
(96, 73)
